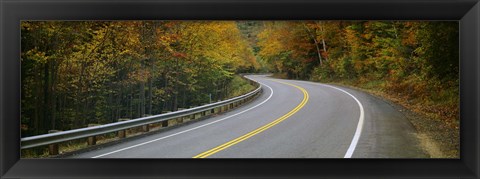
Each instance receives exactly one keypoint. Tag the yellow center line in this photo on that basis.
(260, 129)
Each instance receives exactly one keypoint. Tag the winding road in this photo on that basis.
(290, 119)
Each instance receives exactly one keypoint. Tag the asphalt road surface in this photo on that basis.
(290, 119)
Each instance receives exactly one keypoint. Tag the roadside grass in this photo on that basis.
(239, 86)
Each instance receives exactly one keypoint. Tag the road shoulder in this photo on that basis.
(436, 138)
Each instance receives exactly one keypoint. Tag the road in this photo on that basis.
(290, 119)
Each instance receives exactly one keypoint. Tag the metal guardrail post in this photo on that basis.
(179, 120)
(165, 123)
(172, 122)
(146, 128)
(92, 140)
(183, 118)
(53, 148)
(122, 133)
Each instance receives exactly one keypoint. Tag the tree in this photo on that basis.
(77, 73)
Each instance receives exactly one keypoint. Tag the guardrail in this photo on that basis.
(53, 139)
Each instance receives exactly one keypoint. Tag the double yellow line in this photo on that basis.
(260, 129)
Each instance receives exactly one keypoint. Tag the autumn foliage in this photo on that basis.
(416, 62)
(79, 72)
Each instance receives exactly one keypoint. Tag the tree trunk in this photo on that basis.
(323, 38)
(165, 86)
(46, 97)
(130, 102)
(142, 99)
(175, 92)
(318, 52)
(395, 30)
(38, 102)
(315, 41)
(86, 109)
(184, 100)
(324, 48)
(53, 100)
(150, 94)
(119, 105)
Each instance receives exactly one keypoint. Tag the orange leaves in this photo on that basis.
(367, 36)
(179, 55)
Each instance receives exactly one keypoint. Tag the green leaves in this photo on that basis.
(76, 71)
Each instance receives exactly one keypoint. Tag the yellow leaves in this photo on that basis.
(270, 42)
(141, 75)
(219, 41)
(36, 55)
(26, 25)
(95, 46)
(352, 38)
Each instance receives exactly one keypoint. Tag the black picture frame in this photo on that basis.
(13, 11)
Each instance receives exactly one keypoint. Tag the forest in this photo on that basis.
(79, 72)
(76, 73)
(414, 62)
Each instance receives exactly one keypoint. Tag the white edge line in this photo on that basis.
(358, 131)
(188, 130)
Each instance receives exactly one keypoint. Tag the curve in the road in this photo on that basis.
(333, 124)
(195, 128)
(228, 144)
(260, 129)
